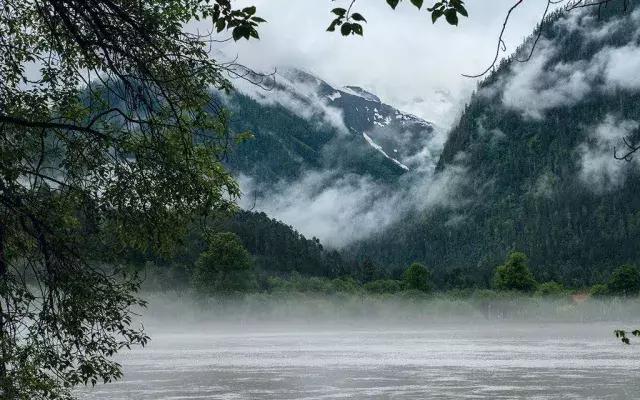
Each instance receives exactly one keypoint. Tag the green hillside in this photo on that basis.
(536, 143)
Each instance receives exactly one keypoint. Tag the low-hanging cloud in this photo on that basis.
(299, 97)
(535, 86)
(342, 209)
(599, 170)
(402, 57)
(545, 83)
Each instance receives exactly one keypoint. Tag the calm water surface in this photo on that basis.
(492, 361)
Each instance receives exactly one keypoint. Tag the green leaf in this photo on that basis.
(358, 17)
(461, 10)
(357, 28)
(220, 25)
(417, 3)
(435, 6)
(393, 3)
(451, 16)
(345, 29)
(249, 10)
(435, 14)
(339, 12)
(237, 33)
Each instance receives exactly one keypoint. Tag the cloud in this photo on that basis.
(405, 59)
(300, 97)
(620, 66)
(545, 185)
(340, 209)
(599, 170)
(539, 85)
(545, 83)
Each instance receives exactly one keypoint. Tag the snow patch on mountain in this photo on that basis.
(384, 153)
(360, 92)
(334, 96)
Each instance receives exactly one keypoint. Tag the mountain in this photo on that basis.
(536, 144)
(304, 124)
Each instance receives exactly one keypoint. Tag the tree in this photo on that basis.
(624, 281)
(417, 277)
(368, 271)
(514, 274)
(113, 142)
(225, 267)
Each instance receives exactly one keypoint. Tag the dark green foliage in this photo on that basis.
(225, 267)
(383, 286)
(624, 281)
(514, 274)
(624, 335)
(278, 248)
(345, 284)
(417, 277)
(349, 22)
(99, 156)
(522, 185)
(551, 288)
(284, 145)
(599, 290)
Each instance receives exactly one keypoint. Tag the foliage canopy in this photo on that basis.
(109, 139)
(417, 277)
(225, 267)
(514, 274)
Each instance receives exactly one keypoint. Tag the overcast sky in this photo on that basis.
(407, 61)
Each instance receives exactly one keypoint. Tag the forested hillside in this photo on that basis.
(302, 124)
(276, 249)
(536, 142)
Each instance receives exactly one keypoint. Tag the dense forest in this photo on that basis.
(527, 186)
(249, 252)
(541, 176)
(302, 124)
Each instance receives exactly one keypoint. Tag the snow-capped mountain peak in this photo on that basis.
(360, 92)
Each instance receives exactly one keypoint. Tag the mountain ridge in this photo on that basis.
(537, 143)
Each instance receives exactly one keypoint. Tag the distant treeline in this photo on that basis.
(250, 252)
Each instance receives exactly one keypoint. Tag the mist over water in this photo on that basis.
(277, 348)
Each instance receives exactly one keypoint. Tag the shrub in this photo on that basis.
(514, 274)
(345, 285)
(599, 290)
(417, 277)
(551, 288)
(625, 281)
(383, 286)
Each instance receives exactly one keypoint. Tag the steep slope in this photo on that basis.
(276, 248)
(537, 143)
(305, 124)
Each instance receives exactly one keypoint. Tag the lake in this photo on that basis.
(498, 360)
